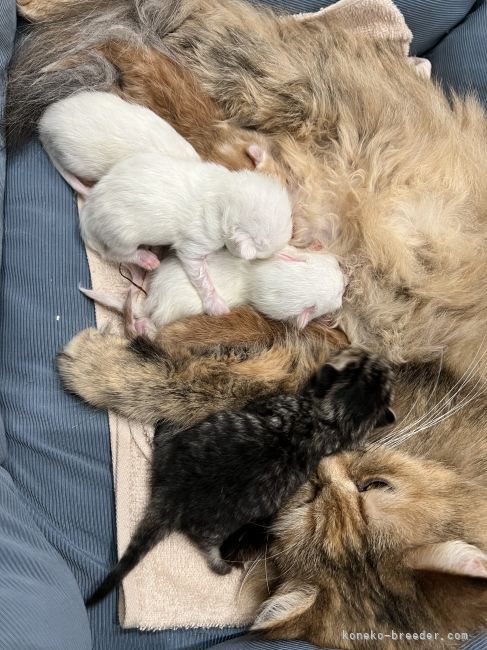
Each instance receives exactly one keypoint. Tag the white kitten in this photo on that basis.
(89, 132)
(196, 207)
(299, 286)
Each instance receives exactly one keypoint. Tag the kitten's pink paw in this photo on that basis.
(146, 259)
(142, 326)
(216, 306)
(316, 245)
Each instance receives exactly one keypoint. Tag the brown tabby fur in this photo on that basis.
(401, 176)
(195, 366)
(394, 181)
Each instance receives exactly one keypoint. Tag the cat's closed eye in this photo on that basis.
(373, 484)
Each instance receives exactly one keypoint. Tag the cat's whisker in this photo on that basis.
(429, 423)
(465, 400)
(398, 434)
(461, 405)
(247, 575)
(433, 390)
(273, 557)
(265, 569)
(450, 395)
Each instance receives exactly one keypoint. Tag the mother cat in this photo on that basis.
(391, 178)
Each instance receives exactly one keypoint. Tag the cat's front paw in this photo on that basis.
(357, 389)
(89, 361)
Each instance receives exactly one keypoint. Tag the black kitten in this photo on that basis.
(239, 467)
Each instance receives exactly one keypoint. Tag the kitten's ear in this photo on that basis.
(456, 557)
(257, 154)
(245, 245)
(305, 316)
(285, 608)
(387, 418)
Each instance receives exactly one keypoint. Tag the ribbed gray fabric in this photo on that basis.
(479, 643)
(460, 60)
(61, 498)
(40, 603)
(7, 33)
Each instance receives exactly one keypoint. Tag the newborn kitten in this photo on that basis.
(294, 286)
(196, 207)
(238, 467)
(88, 133)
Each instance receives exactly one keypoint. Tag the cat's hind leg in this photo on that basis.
(145, 259)
(198, 272)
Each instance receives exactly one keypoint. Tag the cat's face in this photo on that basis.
(378, 541)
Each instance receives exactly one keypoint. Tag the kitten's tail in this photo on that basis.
(113, 301)
(149, 532)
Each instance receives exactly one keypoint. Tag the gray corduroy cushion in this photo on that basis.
(40, 603)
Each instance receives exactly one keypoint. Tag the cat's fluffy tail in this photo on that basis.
(149, 532)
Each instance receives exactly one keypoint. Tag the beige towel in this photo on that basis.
(172, 586)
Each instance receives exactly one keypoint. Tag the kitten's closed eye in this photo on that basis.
(373, 484)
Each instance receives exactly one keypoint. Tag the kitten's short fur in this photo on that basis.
(202, 208)
(241, 466)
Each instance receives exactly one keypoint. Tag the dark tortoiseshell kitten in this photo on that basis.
(240, 466)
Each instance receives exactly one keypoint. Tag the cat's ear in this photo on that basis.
(386, 419)
(245, 245)
(455, 557)
(285, 608)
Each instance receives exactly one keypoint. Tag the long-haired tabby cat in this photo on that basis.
(338, 556)
(391, 539)
(396, 176)
(396, 185)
